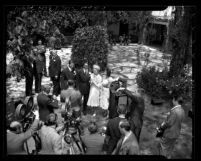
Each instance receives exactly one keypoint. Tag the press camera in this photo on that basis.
(24, 112)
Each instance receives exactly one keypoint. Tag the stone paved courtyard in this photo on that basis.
(126, 56)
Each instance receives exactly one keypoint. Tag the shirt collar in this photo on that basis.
(175, 107)
(122, 116)
(127, 136)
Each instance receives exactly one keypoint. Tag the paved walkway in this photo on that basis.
(126, 56)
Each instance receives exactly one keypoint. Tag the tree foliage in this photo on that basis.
(90, 44)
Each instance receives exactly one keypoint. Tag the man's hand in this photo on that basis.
(56, 77)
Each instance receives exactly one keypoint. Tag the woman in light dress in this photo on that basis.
(96, 83)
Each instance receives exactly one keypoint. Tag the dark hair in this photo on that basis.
(51, 119)
(125, 124)
(122, 109)
(93, 128)
(71, 82)
(178, 98)
(108, 72)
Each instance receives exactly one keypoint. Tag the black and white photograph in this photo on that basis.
(99, 80)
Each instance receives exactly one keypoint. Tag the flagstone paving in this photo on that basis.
(126, 56)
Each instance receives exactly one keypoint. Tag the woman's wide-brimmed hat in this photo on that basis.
(96, 67)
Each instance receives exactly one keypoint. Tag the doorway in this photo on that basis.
(123, 28)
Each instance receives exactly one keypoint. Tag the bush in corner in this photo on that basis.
(90, 44)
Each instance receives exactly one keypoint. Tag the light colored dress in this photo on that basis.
(105, 92)
(94, 94)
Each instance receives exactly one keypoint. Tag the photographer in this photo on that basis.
(51, 141)
(16, 137)
(45, 103)
(169, 130)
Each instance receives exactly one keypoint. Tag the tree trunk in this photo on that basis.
(181, 40)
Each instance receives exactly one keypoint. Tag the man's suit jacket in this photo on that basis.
(173, 123)
(83, 82)
(46, 106)
(51, 141)
(113, 132)
(55, 66)
(66, 74)
(38, 66)
(70, 92)
(93, 143)
(136, 109)
(129, 147)
(15, 142)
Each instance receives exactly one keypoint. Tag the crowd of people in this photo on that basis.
(81, 92)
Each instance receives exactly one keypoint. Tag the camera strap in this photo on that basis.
(27, 148)
(77, 144)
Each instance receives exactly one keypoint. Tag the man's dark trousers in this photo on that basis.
(29, 82)
(38, 79)
(56, 85)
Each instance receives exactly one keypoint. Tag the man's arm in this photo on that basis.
(169, 121)
(133, 150)
(58, 144)
(34, 127)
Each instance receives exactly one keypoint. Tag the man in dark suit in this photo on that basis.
(66, 74)
(136, 107)
(38, 72)
(45, 104)
(42, 50)
(128, 144)
(28, 72)
(93, 141)
(83, 84)
(112, 132)
(172, 127)
(54, 71)
(16, 137)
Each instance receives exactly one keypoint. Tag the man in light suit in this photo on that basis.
(51, 141)
(16, 137)
(128, 144)
(93, 141)
(172, 127)
(69, 92)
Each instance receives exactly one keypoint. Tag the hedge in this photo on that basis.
(90, 44)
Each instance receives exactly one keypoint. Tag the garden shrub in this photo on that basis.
(158, 84)
(90, 44)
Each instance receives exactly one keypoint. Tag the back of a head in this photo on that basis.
(71, 83)
(93, 128)
(122, 109)
(46, 88)
(51, 119)
(125, 124)
(177, 97)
